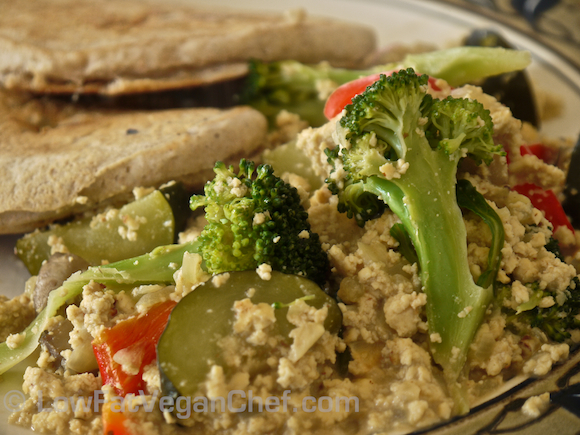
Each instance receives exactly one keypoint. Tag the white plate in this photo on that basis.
(395, 21)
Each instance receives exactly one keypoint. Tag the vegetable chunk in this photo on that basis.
(189, 345)
(399, 147)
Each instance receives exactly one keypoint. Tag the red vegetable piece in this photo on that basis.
(137, 337)
(546, 201)
(343, 95)
(539, 150)
(114, 422)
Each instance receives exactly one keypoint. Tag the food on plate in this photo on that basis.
(133, 47)
(115, 47)
(208, 310)
(303, 89)
(113, 153)
(381, 272)
(393, 141)
(154, 218)
(256, 218)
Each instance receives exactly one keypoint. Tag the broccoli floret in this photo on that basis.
(303, 89)
(555, 321)
(255, 218)
(399, 147)
(554, 247)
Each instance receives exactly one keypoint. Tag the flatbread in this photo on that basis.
(123, 46)
(91, 157)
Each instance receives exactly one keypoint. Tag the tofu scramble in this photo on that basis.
(376, 375)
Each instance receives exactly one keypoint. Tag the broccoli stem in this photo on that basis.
(456, 305)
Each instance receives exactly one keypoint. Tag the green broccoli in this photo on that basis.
(399, 147)
(255, 218)
(303, 89)
(555, 321)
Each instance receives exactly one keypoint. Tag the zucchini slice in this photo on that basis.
(189, 346)
(134, 229)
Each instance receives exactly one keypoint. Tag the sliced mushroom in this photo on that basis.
(56, 339)
(82, 358)
(53, 273)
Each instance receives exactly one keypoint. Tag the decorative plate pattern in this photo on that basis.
(555, 23)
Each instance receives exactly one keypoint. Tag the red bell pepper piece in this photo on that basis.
(343, 95)
(539, 150)
(138, 336)
(114, 422)
(546, 201)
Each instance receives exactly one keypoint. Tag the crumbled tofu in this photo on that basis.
(260, 218)
(221, 279)
(534, 406)
(253, 320)
(129, 360)
(15, 340)
(264, 271)
(463, 313)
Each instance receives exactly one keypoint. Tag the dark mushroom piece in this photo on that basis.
(53, 273)
(56, 340)
(512, 89)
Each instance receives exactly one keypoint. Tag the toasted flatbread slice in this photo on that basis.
(91, 157)
(121, 46)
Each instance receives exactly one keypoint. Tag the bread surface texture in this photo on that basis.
(91, 157)
(125, 46)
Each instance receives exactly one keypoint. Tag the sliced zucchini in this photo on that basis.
(189, 345)
(132, 230)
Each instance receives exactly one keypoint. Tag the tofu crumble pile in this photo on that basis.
(391, 372)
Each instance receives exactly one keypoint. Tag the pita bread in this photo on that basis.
(93, 157)
(123, 46)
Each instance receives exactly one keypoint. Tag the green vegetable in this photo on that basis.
(406, 248)
(185, 359)
(556, 321)
(395, 122)
(460, 65)
(156, 267)
(134, 229)
(554, 247)
(468, 197)
(295, 87)
(255, 218)
(289, 158)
